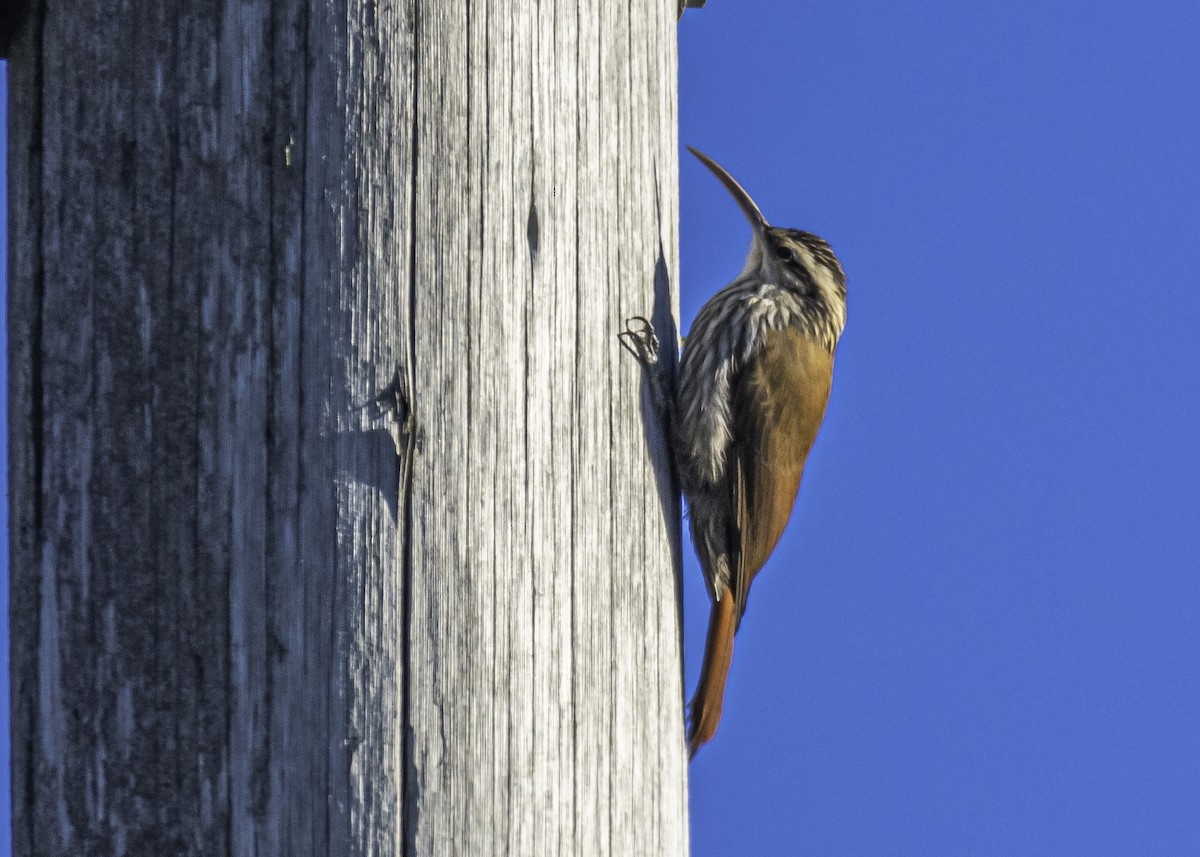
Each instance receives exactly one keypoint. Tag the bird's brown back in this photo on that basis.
(779, 403)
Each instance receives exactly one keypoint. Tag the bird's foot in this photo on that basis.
(640, 340)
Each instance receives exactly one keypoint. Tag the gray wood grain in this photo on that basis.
(340, 521)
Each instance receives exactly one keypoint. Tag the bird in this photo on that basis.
(753, 385)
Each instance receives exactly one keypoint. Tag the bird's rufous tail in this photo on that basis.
(705, 707)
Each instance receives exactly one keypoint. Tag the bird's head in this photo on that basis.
(789, 258)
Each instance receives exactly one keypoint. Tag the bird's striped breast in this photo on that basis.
(729, 330)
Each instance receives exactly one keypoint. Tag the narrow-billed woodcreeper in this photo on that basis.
(754, 381)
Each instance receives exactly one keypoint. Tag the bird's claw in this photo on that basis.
(640, 340)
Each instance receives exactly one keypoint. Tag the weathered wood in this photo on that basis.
(255, 608)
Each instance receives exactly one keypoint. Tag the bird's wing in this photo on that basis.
(779, 399)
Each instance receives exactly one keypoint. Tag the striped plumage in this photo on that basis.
(754, 381)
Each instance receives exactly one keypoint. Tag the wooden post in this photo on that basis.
(340, 524)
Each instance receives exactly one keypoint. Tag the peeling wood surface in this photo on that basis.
(340, 524)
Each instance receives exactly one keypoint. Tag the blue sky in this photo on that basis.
(980, 632)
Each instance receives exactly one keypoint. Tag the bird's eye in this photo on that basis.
(787, 255)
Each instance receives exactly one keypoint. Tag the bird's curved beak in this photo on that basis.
(745, 203)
